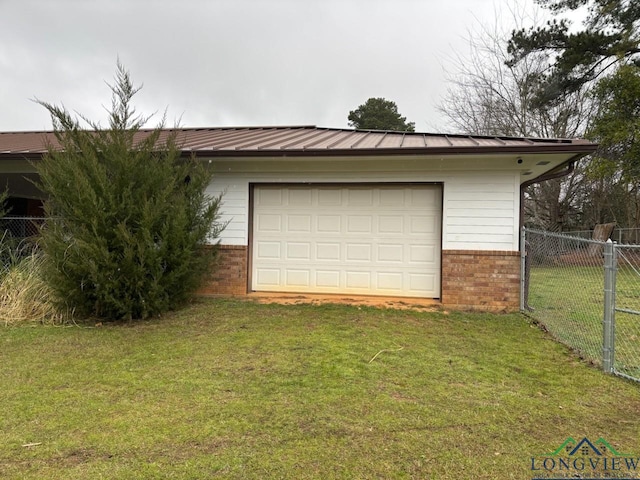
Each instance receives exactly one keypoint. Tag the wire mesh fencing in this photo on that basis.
(628, 236)
(18, 237)
(21, 227)
(586, 293)
(627, 311)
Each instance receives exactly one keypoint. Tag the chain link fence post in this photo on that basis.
(523, 271)
(609, 322)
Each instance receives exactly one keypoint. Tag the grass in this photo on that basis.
(25, 296)
(569, 302)
(238, 390)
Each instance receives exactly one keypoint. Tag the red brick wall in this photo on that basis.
(481, 280)
(230, 274)
(471, 279)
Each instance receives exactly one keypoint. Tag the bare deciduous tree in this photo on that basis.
(489, 96)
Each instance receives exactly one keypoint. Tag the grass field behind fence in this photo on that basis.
(569, 301)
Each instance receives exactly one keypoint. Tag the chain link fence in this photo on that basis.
(627, 311)
(586, 293)
(627, 236)
(18, 238)
(20, 227)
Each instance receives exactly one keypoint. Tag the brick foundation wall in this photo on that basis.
(230, 274)
(471, 279)
(481, 280)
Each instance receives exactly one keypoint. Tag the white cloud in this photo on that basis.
(231, 62)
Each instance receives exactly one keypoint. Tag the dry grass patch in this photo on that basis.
(24, 295)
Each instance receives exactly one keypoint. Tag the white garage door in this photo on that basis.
(369, 240)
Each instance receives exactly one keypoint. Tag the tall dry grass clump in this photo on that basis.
(24, 295)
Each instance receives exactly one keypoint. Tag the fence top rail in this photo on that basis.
(626, 246)
(8, 218)
(564, 236)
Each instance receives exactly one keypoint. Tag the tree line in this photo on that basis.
(555, 79)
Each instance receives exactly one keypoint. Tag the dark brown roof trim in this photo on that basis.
(429, 151)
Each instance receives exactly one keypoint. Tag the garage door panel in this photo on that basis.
(328, 279)
(269, 197)
(268, 250)
(422, 224)
(421, 282)
(328, 251)
(298, 223)
(269, 223)
(390, 281)
(358, 252)
(359, 280)
(424, 198)
(297, 278)
(298, 251)
(328, 224)
(390, 224)
(391, 253)
(359, 224)
(360, 240)
(422, 254)
(360, 197)
(268, 277)
(329, 197)
(300, 197)
(392, 197)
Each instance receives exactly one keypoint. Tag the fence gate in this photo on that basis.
(626, 311)
(586, 293)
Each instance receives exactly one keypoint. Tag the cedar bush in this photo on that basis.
(130, 215)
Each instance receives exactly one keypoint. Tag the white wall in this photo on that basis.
(480, 208)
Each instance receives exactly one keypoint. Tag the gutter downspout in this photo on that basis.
(569, 169)
(524, 262)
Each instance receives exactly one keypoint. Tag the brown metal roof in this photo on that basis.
(312, 141)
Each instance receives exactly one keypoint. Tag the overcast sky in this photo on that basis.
(233, 62)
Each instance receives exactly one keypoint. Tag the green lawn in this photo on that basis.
(569, 302)
(238, 390)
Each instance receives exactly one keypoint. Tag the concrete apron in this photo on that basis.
(403, 303)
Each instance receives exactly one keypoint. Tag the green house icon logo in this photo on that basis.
(597, 460)
(585, 447)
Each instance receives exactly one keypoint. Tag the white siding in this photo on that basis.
(481, 211)
(480, 208)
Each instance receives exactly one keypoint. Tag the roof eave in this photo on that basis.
(577, 149)
(580, 149)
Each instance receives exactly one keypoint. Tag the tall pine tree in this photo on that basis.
(610, 36)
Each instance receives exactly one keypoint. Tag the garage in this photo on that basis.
(355, 239)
